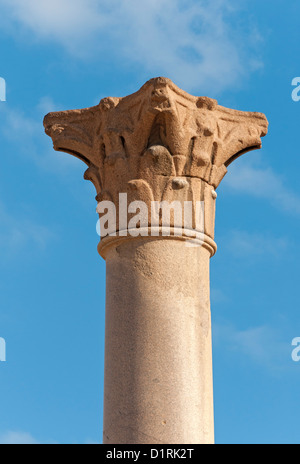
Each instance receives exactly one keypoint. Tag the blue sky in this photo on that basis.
(69, 54)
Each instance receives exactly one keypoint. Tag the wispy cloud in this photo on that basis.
(91, 442)
(26, 134)
(18, 231)
(218, 296)
(246, 244)
(251, 178)
(23, 438)
(194, 43)
(263, 345)
(17, 438)
(46, 105)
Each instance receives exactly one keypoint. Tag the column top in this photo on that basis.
(185, 136)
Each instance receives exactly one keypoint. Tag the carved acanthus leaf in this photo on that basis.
(157, 134)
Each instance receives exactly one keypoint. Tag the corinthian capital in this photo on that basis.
(157, 144)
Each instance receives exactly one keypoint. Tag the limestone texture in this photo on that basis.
(159, 144)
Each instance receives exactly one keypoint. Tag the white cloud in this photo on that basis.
(242, 243)
(17, 127)
(218, 296)
(91, 442)
(59, 19)
(262, 345)
(250, 177)
(23, 438)
(18, 232)
(46, 105)
(197, 44)
(17, 438)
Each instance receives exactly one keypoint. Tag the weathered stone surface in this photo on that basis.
(156, 142)
(159, 144)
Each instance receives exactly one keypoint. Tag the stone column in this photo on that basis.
(157, 145)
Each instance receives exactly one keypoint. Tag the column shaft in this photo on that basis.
(158, 361)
